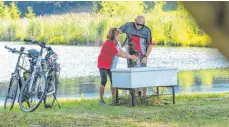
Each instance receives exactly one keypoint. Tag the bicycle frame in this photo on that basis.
(56, 74)
(45, 70)
(37, 67)
(16, 72)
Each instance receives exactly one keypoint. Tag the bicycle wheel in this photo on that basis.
(53, 83)
(11, 94)
(30, 99)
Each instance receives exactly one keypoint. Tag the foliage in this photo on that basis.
(114, 8)
(14, 11)
(30, 14)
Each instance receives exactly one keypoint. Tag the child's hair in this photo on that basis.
(111, 34)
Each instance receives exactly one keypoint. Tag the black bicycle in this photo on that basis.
(33, 91)
(52, 71)
(47, 70)
(16, 79)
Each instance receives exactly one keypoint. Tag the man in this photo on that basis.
(141, 38)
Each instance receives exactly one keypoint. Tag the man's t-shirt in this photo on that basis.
(141, 38)
(106, 56)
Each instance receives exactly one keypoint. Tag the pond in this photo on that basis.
(200, 69)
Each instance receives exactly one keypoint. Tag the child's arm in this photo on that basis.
(123, 54)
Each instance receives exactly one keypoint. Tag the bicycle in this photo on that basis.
(49, 69)
(15, 80)
(52, 75)
(33, 91)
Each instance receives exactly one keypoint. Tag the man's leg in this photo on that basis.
(113, 90)
(144, 89)
(144, 92)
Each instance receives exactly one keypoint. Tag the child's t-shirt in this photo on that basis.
(115, 58)
(107, 53)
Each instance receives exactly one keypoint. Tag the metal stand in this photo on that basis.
(132, 93)
(158, 91)
(173, 92)
(173, 87)
(56, 100)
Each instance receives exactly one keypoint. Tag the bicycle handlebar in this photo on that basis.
(13, 50)
(41, 44)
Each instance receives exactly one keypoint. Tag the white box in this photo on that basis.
(144, 77)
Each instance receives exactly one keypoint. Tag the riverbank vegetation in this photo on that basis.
(169, 28)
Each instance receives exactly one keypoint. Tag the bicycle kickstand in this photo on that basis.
(56, 101)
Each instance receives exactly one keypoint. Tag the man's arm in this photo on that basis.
(150, 44)
(145, 59)
(149, 48)
(123, 28)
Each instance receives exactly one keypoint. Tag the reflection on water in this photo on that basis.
(81, 86)
(3, 88)
(204, 81)
(189, 81)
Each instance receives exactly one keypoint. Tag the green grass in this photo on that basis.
(191, 110)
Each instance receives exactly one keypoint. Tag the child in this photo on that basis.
(108, 58)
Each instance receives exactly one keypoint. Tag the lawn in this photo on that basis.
(190, 110)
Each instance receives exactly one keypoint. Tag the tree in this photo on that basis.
(159, 6)
(5, 12)
(181, 11)
(123, 7)
(97, 6)
(14, 11)
(30, 13)
(1, 8)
